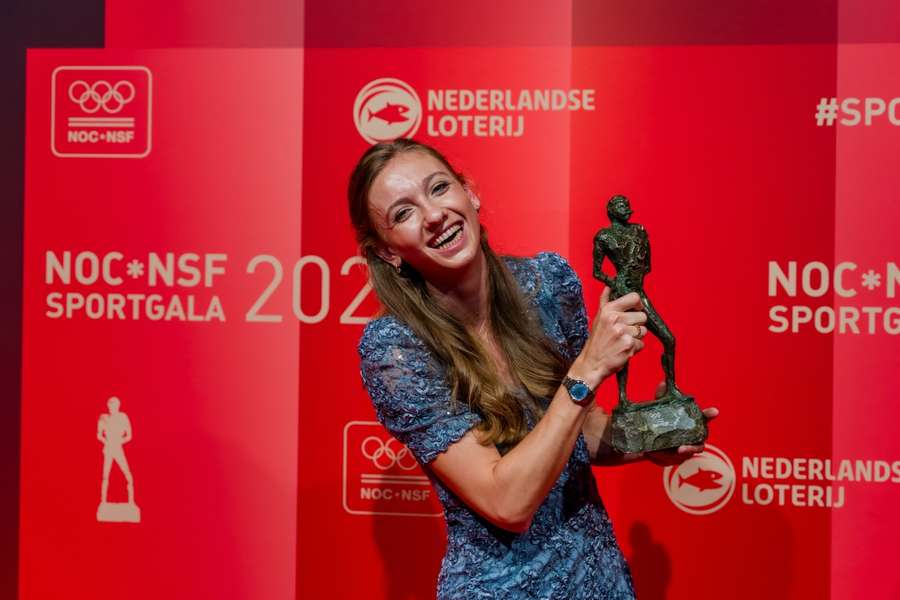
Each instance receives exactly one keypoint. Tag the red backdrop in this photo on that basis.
(253, 451)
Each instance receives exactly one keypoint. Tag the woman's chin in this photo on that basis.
(443, 266)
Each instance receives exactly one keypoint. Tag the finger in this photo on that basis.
(604, 297)
(710, 413)
(668, 452)
(633, 317)
(665, 458)
(691, 449)
(633, 345)
(661, 389)
(632, 332)
(629, 300)
(656, 460)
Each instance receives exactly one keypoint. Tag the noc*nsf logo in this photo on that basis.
(101, 111)
(387, 109)
(702, 484)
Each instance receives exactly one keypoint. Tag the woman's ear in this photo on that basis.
(473, 198)
(387, 255)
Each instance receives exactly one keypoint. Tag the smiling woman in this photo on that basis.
(438, 282)
(484, 367)
(425, 213)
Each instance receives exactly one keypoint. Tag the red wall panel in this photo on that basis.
(212, 403)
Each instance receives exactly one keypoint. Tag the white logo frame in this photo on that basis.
(344, 502)
(53, 92)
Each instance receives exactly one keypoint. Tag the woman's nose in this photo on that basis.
(434, 215)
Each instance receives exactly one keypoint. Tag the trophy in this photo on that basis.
(673, 419)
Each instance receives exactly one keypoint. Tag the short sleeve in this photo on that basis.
(565, 286)
(409, 390)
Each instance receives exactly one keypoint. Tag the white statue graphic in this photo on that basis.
(114, 431)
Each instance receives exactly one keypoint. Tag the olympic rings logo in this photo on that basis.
(388, 454)
(111, 98)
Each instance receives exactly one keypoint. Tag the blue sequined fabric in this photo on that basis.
(570, 551)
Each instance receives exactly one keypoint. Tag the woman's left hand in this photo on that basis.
(676, 456)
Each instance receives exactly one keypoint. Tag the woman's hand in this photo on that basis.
(676, 456)
(615, 337)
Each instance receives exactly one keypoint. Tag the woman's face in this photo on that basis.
(424, 216)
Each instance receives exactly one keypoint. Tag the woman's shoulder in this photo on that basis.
(384, 333)
(554, 264)
(545, 270)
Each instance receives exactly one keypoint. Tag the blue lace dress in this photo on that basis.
(569, 552)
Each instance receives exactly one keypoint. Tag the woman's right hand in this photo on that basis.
(615, 337)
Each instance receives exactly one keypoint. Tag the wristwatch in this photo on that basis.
(579, 391)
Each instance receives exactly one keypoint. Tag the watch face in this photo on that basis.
(579, 391)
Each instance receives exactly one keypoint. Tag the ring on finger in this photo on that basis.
(640, 332)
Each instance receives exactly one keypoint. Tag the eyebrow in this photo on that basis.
(425, 183)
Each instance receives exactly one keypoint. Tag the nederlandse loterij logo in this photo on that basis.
(386, 109)
(702, 484)
(101, 112)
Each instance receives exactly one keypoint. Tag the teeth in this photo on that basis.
(446, 235)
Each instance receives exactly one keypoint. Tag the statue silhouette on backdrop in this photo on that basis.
(114, 431)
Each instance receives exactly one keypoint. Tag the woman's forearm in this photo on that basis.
(525, 475)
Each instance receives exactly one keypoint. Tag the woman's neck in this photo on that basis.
(467, 300)
(466, 297)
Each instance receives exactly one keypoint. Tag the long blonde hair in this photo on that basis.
(533, 359)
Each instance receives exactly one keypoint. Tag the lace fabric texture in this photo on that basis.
(570, 551)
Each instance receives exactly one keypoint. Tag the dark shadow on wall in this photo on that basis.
(23, 24)
(650, 564)
(744, 571)
(412, 549)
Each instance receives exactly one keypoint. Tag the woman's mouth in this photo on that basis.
(451, 238)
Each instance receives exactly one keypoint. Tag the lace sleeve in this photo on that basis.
(566, 287)
(409, 390)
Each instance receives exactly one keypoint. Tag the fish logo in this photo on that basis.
(702, 480)
(387, 109)
(391, 113)
(703, 483)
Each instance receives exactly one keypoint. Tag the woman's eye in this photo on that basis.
(401, 214)
(440, 188)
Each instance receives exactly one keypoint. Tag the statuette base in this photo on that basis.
(658, 425)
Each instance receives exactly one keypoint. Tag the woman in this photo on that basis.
(471, 367)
